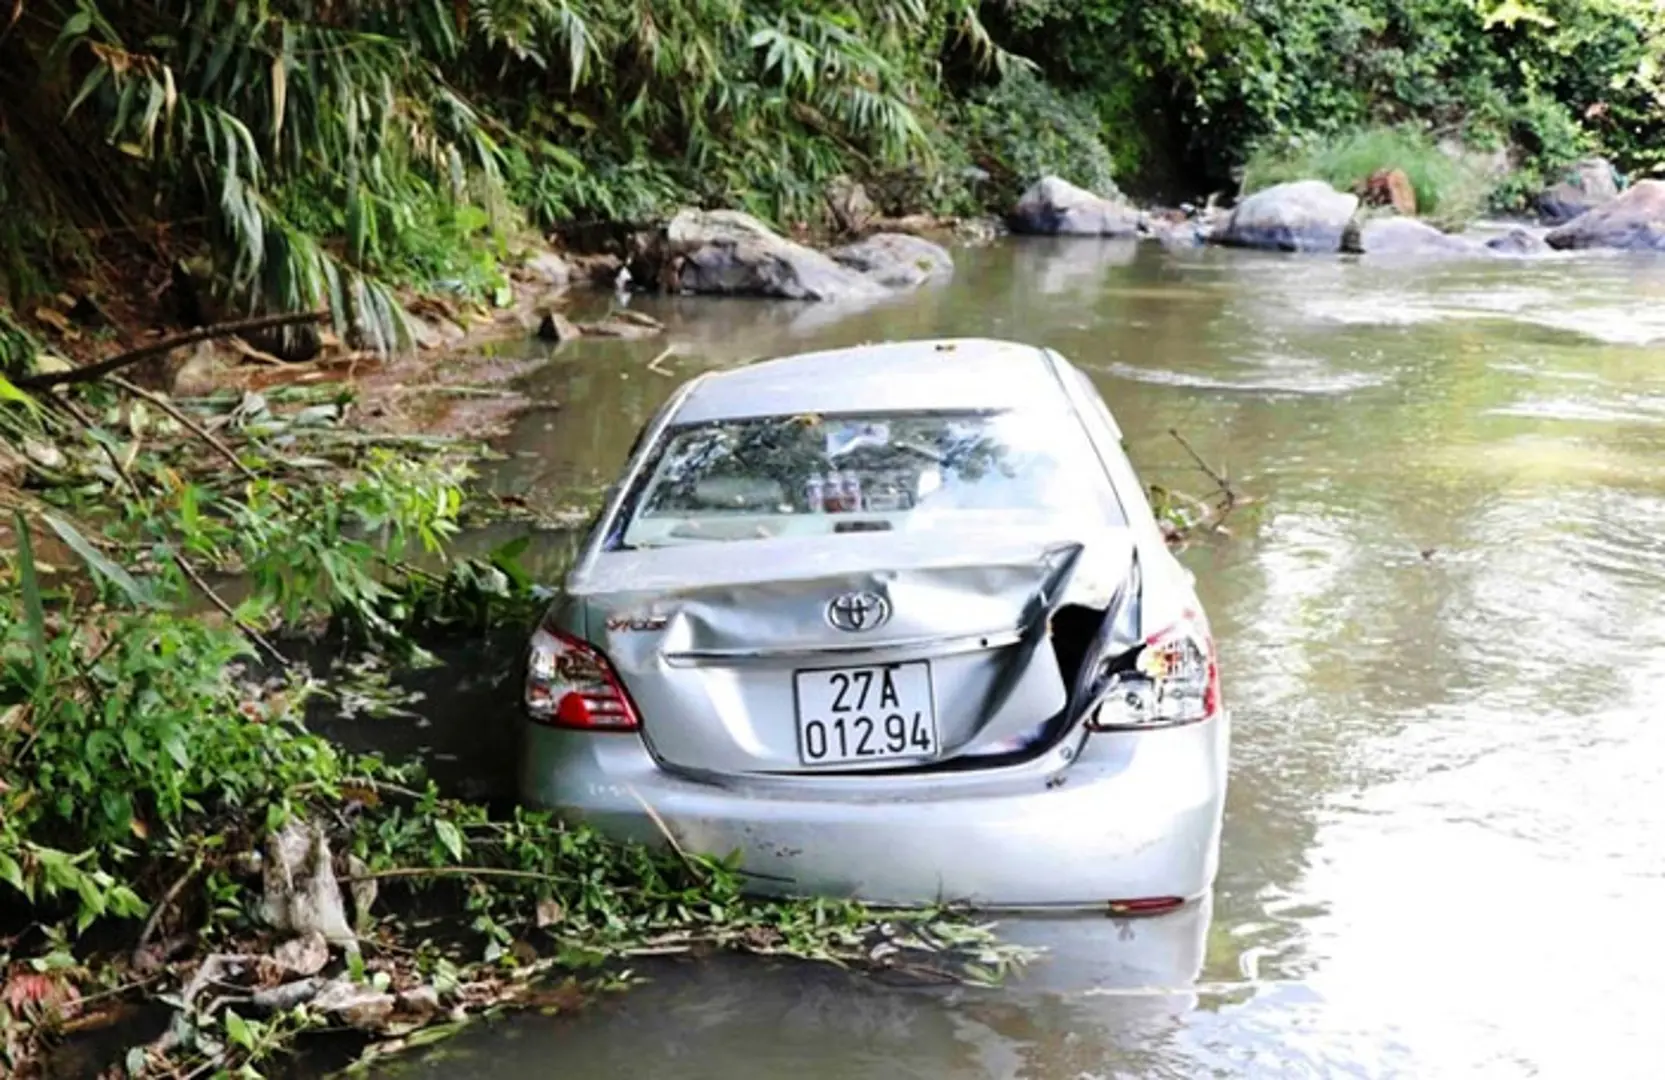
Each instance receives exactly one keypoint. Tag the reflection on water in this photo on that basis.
(1443, 637)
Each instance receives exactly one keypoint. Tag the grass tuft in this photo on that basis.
(1449, 190)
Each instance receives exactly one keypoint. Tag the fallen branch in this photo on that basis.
(179, 560)
(653, 365)
(459, 871)
(665, 830)
(163, 905)
(1212, 517)
(286, 997)
(118, 991)
(1220, 481)
(160, 348)
(357, 782)
(226, 609)
(183, 418)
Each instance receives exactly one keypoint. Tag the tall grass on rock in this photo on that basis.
(1450, 189)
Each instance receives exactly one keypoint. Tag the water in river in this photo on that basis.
(1443, 638)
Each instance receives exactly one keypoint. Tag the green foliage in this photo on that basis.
(1022, 129)
(127, 721)
(1191, 87)
(425, 240)
(723, 102)
(1602, 62)
(18, 348)
(324, 150)
(140, 738)
(1448, 187)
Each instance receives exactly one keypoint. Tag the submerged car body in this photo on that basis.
(893, 622)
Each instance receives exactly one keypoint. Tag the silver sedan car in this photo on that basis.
(893, 622)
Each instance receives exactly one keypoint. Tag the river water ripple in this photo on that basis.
(1443, 638)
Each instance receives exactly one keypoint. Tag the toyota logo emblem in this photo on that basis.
(858, 611)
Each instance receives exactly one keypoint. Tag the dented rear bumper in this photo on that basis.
(1136, 815)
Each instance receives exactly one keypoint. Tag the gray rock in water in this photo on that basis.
(1590, 183)
(727, 253)
(1307, 215)
(1635, 221)
(1409, 238)
(1519, 242)
(896, 260)
(1056, 207)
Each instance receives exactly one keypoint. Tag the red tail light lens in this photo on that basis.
(1174, 678)
(570, 684)
(1152, 905)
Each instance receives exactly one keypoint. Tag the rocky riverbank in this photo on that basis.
(728, 253)
(552, 282)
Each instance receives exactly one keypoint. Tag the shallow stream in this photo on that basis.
(1443, 638)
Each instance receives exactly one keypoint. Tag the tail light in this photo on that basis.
(1150, 905)
(570, 684)
(1173, 678)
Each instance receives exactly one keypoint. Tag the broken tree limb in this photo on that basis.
(228, 611)
(179, 560)
(461, 871)
(1219, 481)
(160, 911)
(653, 365)
(96, 371)
(191, 425)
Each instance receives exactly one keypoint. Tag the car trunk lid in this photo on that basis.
(732, 675)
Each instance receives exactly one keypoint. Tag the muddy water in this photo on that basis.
(1443, 640)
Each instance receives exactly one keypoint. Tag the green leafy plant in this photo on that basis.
(325, 152)
(150, 733)
(1023, 128)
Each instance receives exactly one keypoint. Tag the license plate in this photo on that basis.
(862, 714)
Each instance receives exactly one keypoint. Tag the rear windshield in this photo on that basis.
(810, 475)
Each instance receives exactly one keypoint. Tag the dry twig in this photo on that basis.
(160, 348)
(162, 907)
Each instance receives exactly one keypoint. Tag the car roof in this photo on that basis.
(952, 374)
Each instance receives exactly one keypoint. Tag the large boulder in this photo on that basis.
(1398, 237)
(728, 253)
(1056, 207)
(1590, 183)
(1635, 221)
(896, 260)
(1307, 215)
